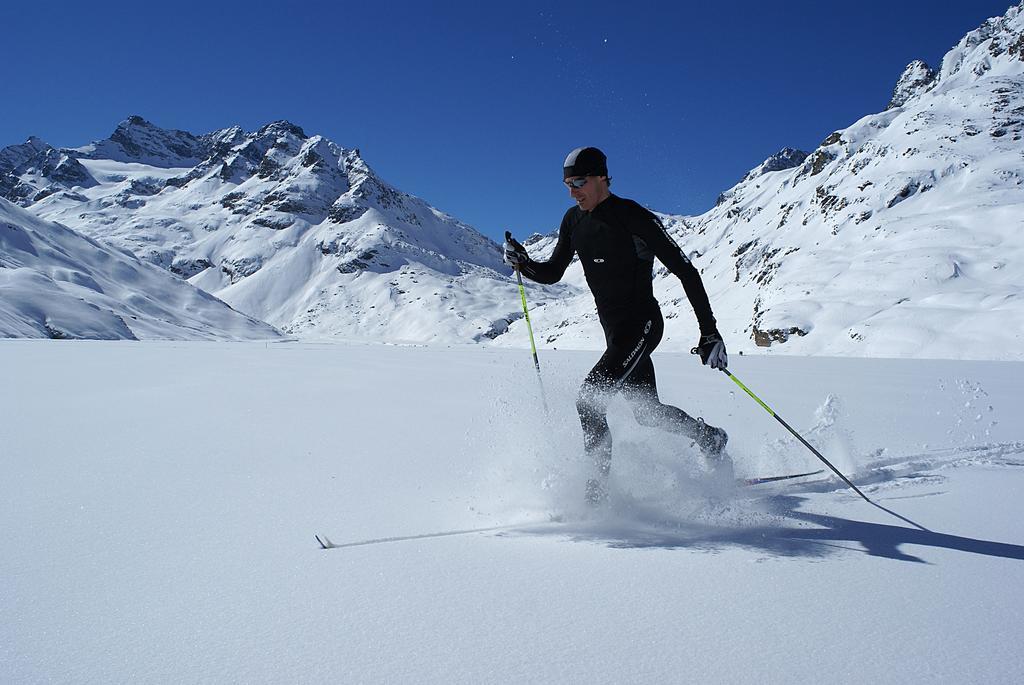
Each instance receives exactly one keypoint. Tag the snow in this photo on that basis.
(56, 283)
(107, 171)
(160, 500)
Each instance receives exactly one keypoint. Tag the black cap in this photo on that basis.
(585, 161)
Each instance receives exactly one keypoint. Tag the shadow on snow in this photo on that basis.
(814, 536)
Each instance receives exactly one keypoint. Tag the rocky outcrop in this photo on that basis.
(916, 79)
(786, 158)
(137, 140)
(34, 170)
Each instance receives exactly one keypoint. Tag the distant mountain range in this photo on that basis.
(289, 228)
(900, 235)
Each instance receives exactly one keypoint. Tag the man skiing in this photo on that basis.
(617, 240)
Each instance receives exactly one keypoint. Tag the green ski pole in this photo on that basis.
(529, 327)
(799, 437)
(816, 453)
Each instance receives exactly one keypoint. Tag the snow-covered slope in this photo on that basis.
(901, 235)
(289, 228)
(56, 283)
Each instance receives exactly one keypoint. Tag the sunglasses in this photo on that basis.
(575, 182)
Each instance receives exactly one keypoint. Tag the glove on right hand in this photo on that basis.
(515, 254)
(711, 349)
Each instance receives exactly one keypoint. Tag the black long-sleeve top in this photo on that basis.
(617, 242)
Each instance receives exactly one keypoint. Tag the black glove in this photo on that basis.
(515, 253)
(711, 349)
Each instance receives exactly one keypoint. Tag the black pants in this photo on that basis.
(626, 367)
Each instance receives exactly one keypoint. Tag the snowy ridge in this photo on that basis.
(55, 283)
(137, 140)
(900, 235)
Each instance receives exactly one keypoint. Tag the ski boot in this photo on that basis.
(710, 440)
(596, 493)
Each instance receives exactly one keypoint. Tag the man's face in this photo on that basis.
(591, 193)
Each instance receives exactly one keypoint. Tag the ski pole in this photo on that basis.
(798, 436)
(529, 327)
(816, 453)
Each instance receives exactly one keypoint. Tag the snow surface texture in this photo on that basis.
(163, 531)
(899, 236)
(55, 283)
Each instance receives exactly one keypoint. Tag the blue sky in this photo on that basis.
(474, 105)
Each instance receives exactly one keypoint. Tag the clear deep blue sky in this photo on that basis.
(474, 105)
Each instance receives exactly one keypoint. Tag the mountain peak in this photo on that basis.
(996, 46)
(280, 127)
(786, 158)
(13, 156)
(916, 79)
(137, 140)
(35, 169)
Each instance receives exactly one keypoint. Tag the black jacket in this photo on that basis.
(617, 242)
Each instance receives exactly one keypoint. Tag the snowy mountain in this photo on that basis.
(900, 235)
(55, 283)
(289, 228)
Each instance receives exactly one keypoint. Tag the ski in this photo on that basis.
(325, 542)
(772, 479)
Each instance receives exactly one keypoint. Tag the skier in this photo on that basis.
(617, 240)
